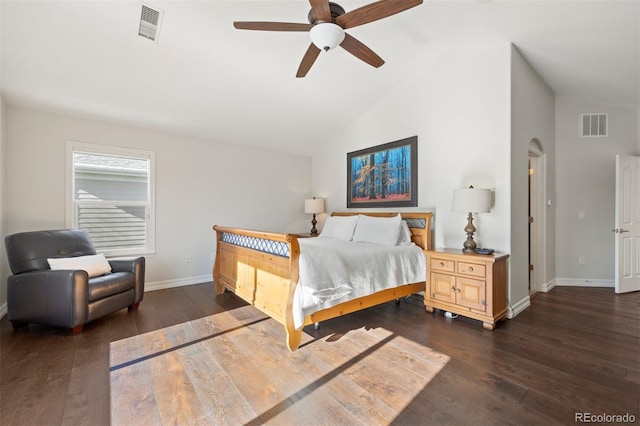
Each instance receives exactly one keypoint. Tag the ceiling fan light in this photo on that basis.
(326, 36)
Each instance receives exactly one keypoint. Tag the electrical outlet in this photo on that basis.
(581, 260)
(581, 215)
(213, 256)
(188, 259)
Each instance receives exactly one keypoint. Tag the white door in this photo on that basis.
(627, 223)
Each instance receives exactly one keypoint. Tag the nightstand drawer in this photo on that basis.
(442, 265)
(474, 269)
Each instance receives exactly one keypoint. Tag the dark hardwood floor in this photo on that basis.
(575, 350)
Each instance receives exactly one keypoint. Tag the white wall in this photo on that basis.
(3, 262)
(586, 182)
(199, 183)
(532, 117)
(456, 100)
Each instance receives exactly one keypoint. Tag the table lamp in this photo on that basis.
(471, 200)
(314, 206)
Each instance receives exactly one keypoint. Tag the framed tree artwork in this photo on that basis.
(384, 175)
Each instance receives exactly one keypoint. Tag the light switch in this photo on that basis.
(581, 215)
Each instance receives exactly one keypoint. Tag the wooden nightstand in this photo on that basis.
(469, 284)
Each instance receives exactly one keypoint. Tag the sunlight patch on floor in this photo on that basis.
(234, 368)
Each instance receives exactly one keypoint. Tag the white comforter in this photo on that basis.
(333, 271)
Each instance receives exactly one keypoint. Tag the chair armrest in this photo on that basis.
(135, 266)
(52, 297)
(126, 265)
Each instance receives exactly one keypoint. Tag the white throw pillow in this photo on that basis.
(340, 227)
(377, 230)
(95, 264)
(404, 234)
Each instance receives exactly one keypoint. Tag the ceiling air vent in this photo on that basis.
(594, 125)
(150, 20)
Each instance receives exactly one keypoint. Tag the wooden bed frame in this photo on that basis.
(262, 269)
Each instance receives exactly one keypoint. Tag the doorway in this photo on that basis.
(537, 218)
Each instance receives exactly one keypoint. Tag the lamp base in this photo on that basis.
(314, 222)
(469, 245)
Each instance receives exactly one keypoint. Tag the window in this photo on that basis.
(110, 195)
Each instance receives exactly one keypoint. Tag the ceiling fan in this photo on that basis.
(327, 22)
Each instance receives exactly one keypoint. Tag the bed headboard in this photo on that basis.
(419, 224)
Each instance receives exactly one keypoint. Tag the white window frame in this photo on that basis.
(71, 219)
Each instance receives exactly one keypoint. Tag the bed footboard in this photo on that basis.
(262, 269)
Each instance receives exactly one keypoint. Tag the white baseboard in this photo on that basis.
(160, 285)
(584, 282)
(547, 287)
(516, 308)
(3, 310)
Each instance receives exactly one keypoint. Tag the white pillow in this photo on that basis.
(95, 264)
(340, 227)
(404, 234)
(378, 230)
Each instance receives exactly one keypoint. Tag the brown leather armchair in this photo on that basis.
(65, 298)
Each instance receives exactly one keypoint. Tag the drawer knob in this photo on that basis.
(441, 264)
(470, 269)
(453, 289)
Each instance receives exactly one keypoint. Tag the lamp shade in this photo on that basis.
(471, 200)
(314, 205)
(326, 36)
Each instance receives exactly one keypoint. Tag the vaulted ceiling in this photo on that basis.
(205, 78)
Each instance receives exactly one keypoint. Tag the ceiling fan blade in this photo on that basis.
(374, 11)
(308, 60)
(321, 10)
(360, 51)
(272, 26)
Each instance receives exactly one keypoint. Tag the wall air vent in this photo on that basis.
(150, 20)
(594, 125)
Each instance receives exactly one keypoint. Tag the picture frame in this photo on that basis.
(384, 175)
